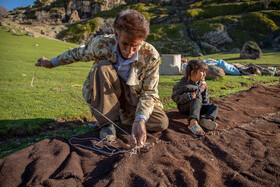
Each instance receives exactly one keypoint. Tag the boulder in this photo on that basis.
(251, 50)
(217, 37)
(30, 34)
(12, 31)
(214, 72)
(106, 27)
(208, 48)
(3, 24)
(74, 17)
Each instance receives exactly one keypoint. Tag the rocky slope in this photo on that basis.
(189, 27)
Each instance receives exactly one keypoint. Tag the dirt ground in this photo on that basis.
(243, 151)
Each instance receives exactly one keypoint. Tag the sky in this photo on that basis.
(11, 4)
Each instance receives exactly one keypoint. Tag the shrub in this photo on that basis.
(258, 22)
(204, 26)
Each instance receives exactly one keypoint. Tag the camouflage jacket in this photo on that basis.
(144, 73)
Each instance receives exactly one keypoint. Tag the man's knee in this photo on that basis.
(164, 122)
(158, 121)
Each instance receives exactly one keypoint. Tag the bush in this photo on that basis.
(204, 26)
(258, 22)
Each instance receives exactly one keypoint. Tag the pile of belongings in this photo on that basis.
(219, 68)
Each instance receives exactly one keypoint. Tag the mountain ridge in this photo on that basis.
(189, 27)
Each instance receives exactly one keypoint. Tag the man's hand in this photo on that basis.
(44, 62)
(138, 134)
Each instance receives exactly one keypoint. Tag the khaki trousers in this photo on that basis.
(111, 95)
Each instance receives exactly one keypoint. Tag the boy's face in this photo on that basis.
(199, 75)
(128, 45)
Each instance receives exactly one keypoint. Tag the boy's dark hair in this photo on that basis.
(133, 23)
(194, 65)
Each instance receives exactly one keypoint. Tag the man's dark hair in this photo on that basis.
(194, 65)
(133, 23)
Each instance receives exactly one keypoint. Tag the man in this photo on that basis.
(124, 78)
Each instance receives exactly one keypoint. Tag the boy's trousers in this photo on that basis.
(194, 109)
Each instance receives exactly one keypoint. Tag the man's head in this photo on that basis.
(130, 28)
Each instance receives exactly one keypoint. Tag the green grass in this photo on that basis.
(25, 110)
(26, 107)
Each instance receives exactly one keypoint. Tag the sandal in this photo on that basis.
(208, 124)
(196, 129)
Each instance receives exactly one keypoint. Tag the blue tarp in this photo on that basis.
(228, 68)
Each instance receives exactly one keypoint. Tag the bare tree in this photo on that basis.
(3, 11)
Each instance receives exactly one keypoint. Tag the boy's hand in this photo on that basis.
(193, 95)
(44, 62)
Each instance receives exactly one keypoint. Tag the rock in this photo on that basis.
(217, 37)
(106, 27)
(58, 22)
(209, 49)
(74, 17)
(251, 50)
(43, 32)
(30, 34)
(214, 72)
(3, 24)
(12, 31)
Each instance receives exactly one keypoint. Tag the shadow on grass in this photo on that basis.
(21, 127)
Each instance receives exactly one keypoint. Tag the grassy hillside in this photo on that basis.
(242, 20)
(30, 107)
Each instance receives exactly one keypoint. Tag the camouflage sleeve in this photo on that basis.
(83, 53)
(150, 88)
